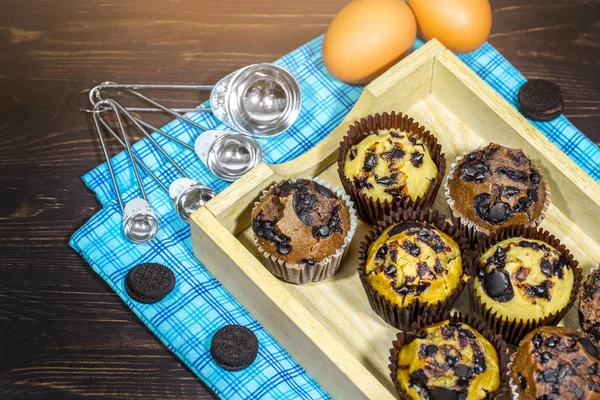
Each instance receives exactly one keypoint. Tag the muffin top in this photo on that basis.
(497, 186)
(523, 279)
(413, 260)
(301, 222)
(448, 361)
(389, 165)
(557, 363)
(589, 305)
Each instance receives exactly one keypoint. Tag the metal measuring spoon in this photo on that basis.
(139, 221)
(187, 194)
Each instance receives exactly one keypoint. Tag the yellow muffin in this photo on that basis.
(448, 361)
(390, 165)
(523, 279)
(411, 261)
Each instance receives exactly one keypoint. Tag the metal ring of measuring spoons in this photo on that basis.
(252, 146)
(187, 194)
(139, 221)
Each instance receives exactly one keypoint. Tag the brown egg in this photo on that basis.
(461, 25)
(367, 37)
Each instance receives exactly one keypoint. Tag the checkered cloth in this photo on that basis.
(198, 306)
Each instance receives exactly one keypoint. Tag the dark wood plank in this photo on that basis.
(63, 333)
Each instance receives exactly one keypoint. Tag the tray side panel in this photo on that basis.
(284, 317)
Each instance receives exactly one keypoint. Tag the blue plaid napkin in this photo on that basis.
(198, 306)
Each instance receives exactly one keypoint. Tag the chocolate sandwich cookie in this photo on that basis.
(541, 100)
(149, 282)
(234, 347)
(556, 363)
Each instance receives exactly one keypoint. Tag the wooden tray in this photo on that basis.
(328, 327)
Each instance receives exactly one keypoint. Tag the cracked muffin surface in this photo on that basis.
(413, 260)
(390, 165)
(448, 361)
(589, 305)
(301, 222)
(497, 186)
(523, 279)
(557, 363)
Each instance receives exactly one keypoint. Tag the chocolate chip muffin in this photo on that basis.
(447, 361)
(496, 187)
(390, 165)
(556, 363)
(589, 305)
(300, 226)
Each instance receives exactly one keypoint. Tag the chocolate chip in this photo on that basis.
(549, 375)
(395, 193)
(353, 154)
(545, 357)
(396, 154)
(390, 271)
(325, 191)
(432, 239)
(399, 228)
(431, 350)
(522, 205)
(537, 340)
(419, 378)
(380, 255)
(522, 382)
(479, 367)
(473, 171)
(593, 369)
(451, 361)
(416, 159)
(394, 255)
(304, 203)
(370, 162)
(385, 181)
(513, 174)
(462, 370)
(403, 290)
(533, 195)
(510, 191)
(499, 213)
(589, 347)
(546, 267)
(421, 287)
(443, 394)
(496, 284)
(481, 204)
(362, 184)
(322, 231)
(437, 267)
(552, 341)
(535, 177)
(423, 271)
(411, 248)
(283, 248)
(394, 134)
(310, 262)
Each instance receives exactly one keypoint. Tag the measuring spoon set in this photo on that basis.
(260, 100)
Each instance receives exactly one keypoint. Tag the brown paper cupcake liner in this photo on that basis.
(514, 331)
(401, 317)
(581, 318)
(406, 337)
(474, 232)
(323, 269)
(369, 209)
(514, 388)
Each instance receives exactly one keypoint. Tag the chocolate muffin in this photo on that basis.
(522, 279)
(495, 187)
(556, 363)
(447, 361)
(300, 226)
(589, 305)
(390, 165)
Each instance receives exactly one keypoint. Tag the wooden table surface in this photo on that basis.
(63, 332)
